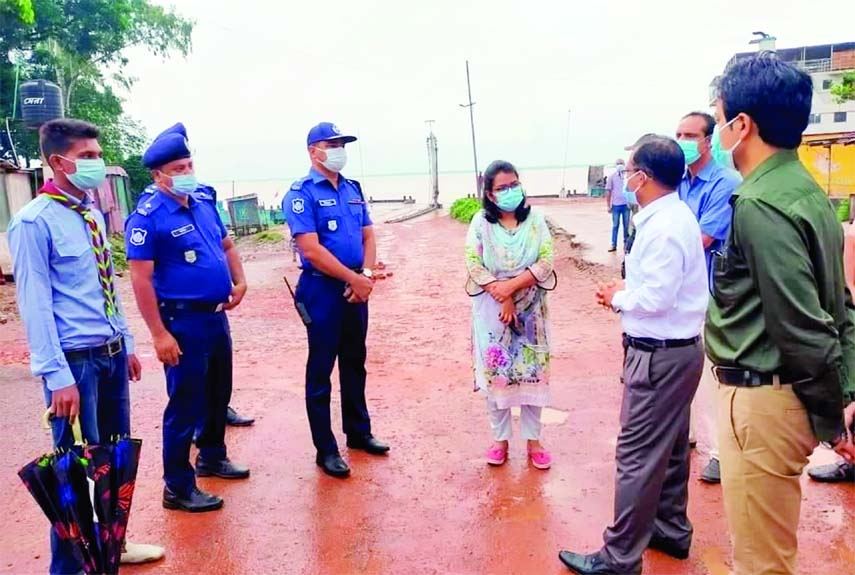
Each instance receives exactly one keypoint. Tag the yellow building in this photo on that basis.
(830, 158)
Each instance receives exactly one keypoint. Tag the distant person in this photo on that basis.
(77, 332)
(328, 216)
(841, 471)
(706, 188)
(187, 274)
(509, 260)
(480, 182)
(779, 329)
(616, 204)
(662, 306)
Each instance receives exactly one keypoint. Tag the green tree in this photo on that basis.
(845, 90)
(138, 174)
(74, 44)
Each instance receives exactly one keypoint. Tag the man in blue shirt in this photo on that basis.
(77, 332)
(617, 205)
(328, 216)
(233, 418)
(706, 188)
(186, 273)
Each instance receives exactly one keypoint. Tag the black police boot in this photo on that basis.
(196, 502)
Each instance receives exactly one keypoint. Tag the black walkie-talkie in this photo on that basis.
(301, 309)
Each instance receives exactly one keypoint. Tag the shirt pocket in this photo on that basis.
(730, 276)
(329, 220)
(70, 242)
(356, 211)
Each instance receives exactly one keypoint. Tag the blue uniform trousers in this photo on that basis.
(199, 389)
(105, 412)
(337, 331)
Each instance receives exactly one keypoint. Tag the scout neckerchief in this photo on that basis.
(102, 252)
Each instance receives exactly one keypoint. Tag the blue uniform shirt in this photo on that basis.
(58, 287)
(314, 206)
(185, 245)
(708, 196)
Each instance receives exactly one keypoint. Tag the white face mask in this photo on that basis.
(336, 159)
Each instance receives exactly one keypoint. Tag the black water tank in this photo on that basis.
(41, 101)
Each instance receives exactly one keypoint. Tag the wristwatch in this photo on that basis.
(368, 273)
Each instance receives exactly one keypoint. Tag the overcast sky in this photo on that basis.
(262, 72)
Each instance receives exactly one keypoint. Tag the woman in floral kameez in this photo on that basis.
(509, 258)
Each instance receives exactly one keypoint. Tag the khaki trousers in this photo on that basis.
(765, 439)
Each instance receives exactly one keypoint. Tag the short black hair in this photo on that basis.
(57, 136)
(661, 158)
(775, 94)
(492, 213)
(709, 121)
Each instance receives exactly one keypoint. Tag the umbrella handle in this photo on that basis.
(76, 432)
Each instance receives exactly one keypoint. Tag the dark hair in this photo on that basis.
(492, 213)
(709, 121)
(776, 96)
(662, 159)
(57, 136)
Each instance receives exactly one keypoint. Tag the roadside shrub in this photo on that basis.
(843, 210)
(117, 250)
(464, 209)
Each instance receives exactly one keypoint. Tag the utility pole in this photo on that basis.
(472, 124)
(564, 166)
(433, 164)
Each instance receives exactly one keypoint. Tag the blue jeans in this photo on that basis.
(105, 411)
(199, 389)
(620, 214)
(337, 331)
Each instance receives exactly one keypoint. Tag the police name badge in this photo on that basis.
(190, 256)
(332, 225)
(297, 206)
(138, 236)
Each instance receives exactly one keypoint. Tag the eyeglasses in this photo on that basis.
(504, 187)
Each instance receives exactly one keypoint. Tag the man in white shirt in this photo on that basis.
(662, 307)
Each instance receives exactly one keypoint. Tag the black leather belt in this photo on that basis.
(190, 305)
(109, 349)
(738, 377)
(650, 344)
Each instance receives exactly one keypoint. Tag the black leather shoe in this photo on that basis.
(333, 465)
(712, 472)
(197, 502)
(669, 547)
(592, 565)
(368, 444)
(840, 472)
(222, 468)
(235, 420)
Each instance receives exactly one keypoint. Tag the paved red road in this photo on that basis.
(432, 506)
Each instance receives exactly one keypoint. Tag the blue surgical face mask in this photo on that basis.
(723, 157)
(90, 173)
(690, 151)
(510, 199)
(184, 184)
(631, 197)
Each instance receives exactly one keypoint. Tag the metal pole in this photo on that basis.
(566, 146)
(472, 124)
(15, 98)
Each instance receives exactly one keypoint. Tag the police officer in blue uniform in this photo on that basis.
(328, 216)
(233, 418)
(186, 273)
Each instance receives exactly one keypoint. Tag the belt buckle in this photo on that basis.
(114, 347)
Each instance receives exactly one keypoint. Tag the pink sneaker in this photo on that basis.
(540, 459)
(497, 456)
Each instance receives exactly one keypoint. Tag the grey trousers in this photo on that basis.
(651, 486)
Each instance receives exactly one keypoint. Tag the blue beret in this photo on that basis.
(167, 147)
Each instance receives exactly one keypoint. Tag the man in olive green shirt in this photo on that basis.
(779, 329)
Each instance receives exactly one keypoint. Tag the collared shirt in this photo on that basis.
(58, 287)
(314, 206)
(614, 188)
(708, 196)
(185, 244)
(779, 298)
(666, 293)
